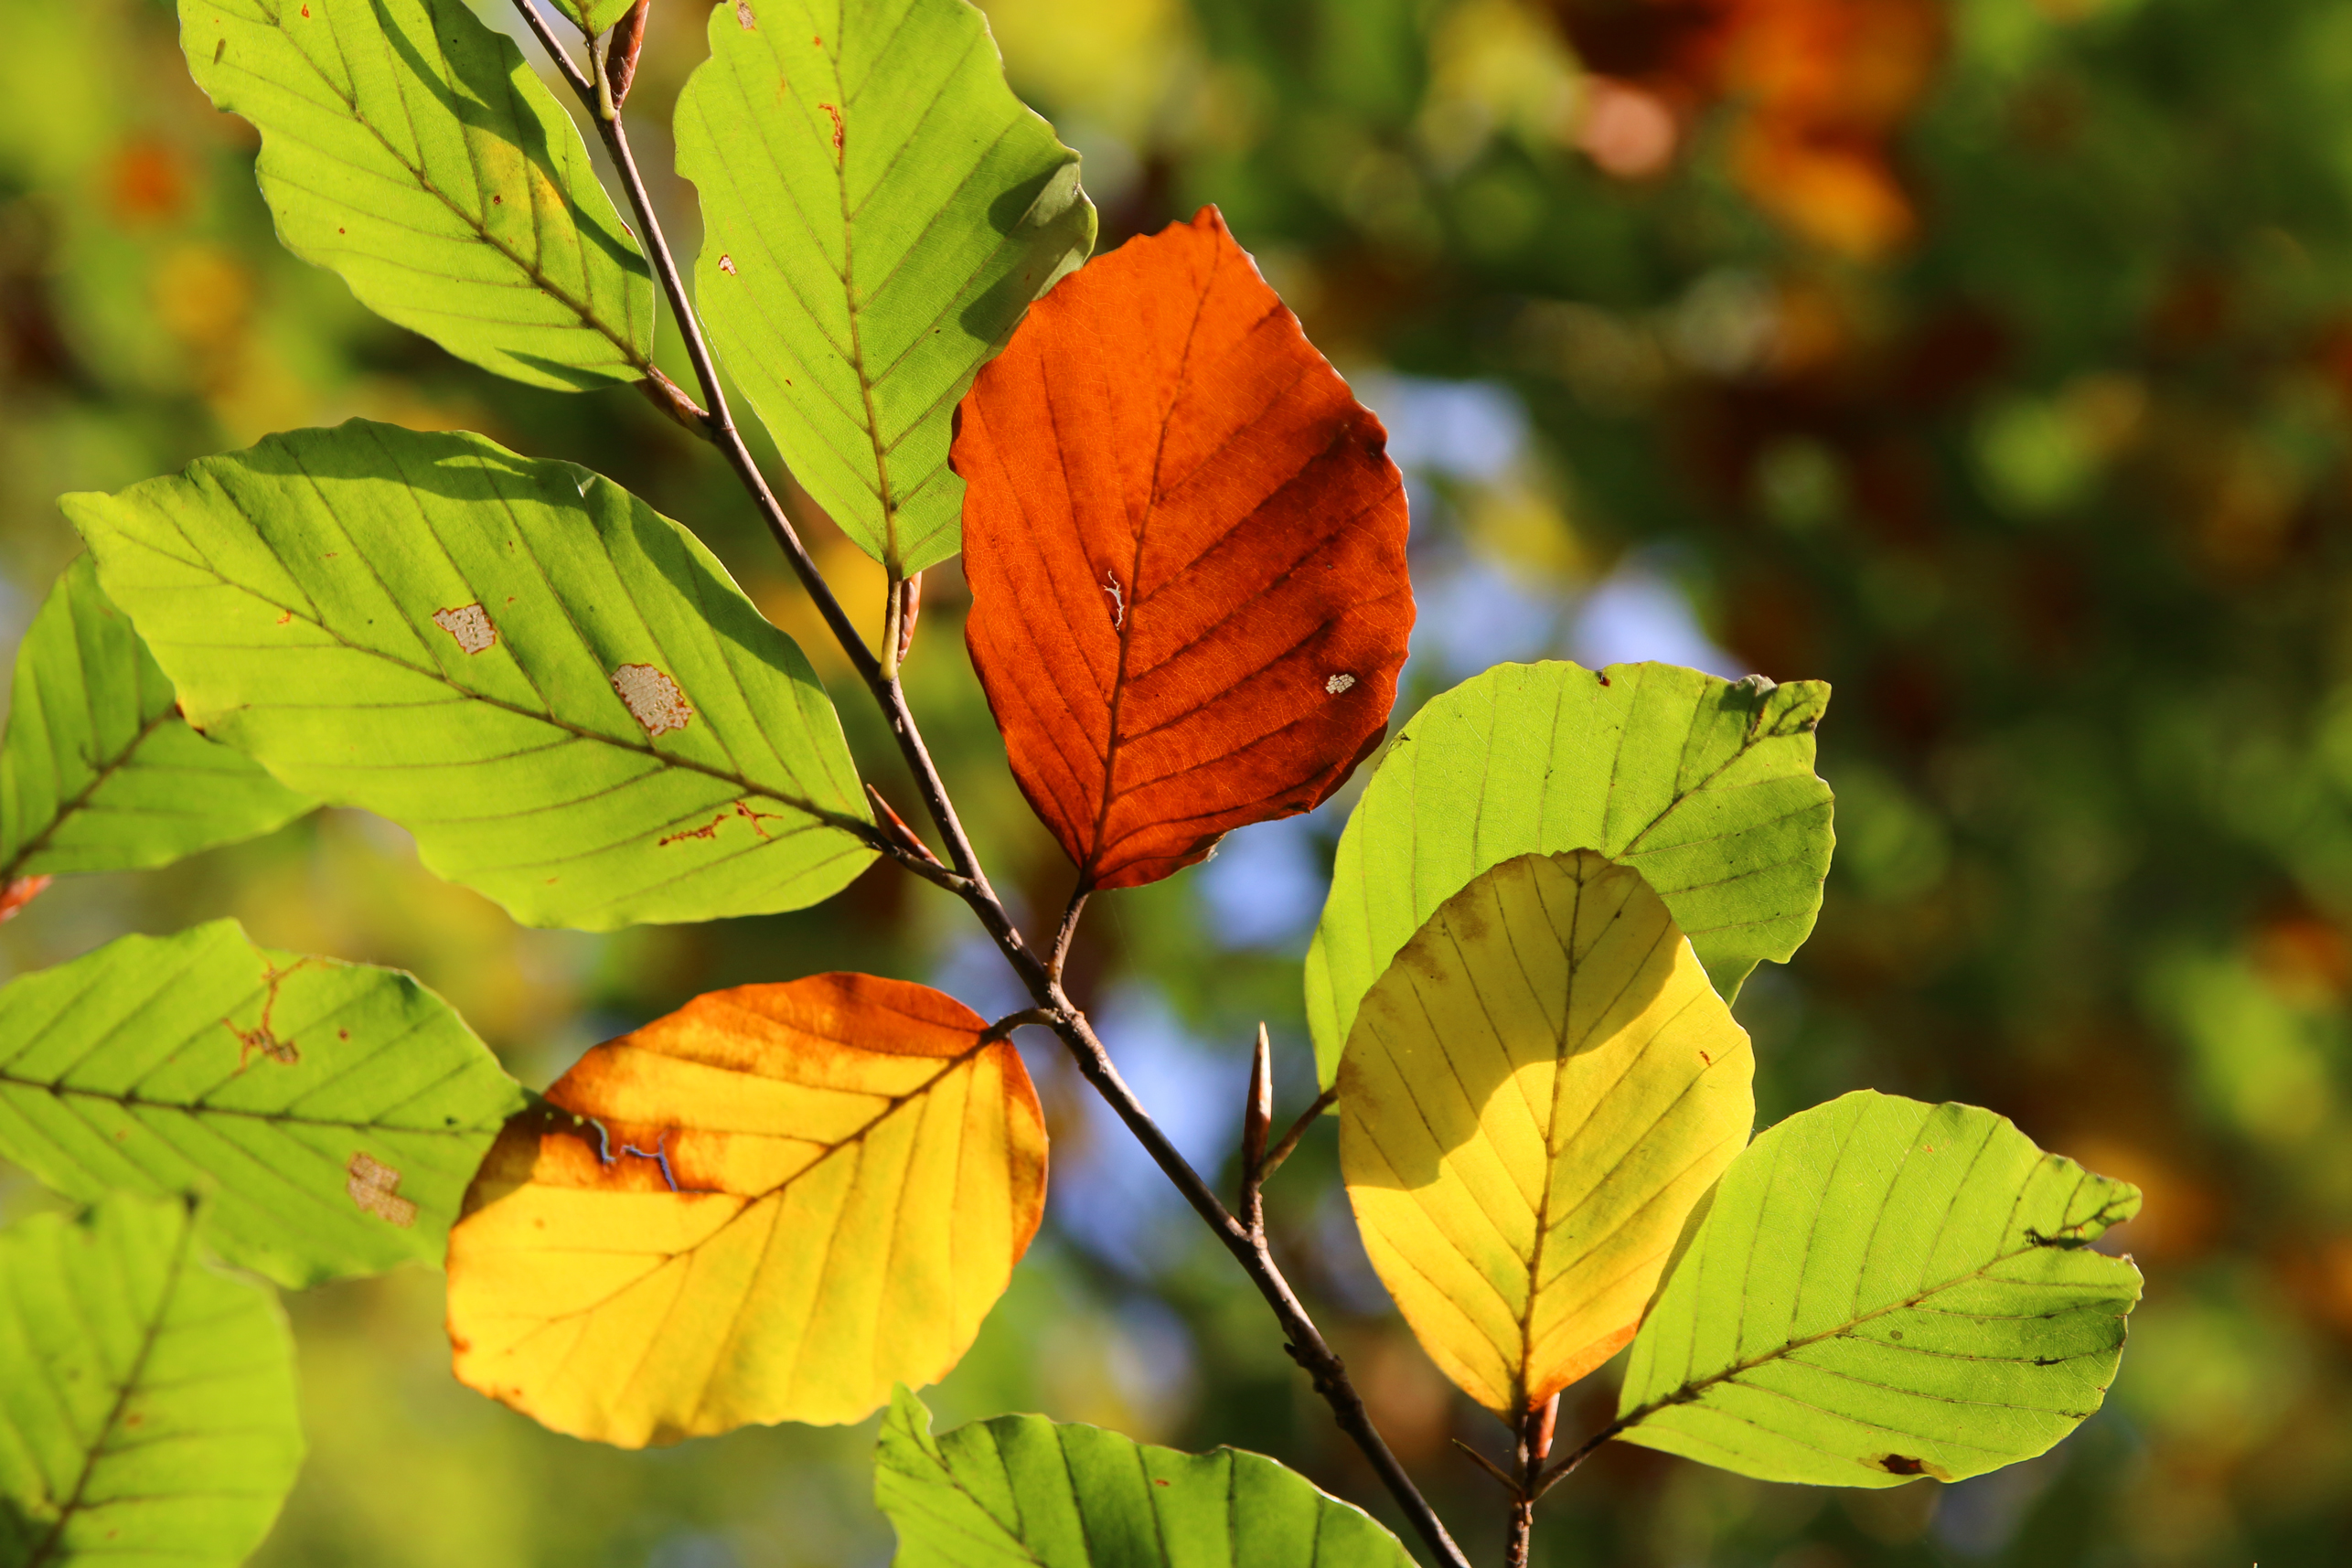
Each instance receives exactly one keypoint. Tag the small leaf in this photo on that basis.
(879, 210)
(409, 148)
(1883, 1290)
(771, 1205)
(559, 691)
(147, 1413)
(99, 772)
(596, 16)
(334, 1110)
(1704, 786)
(1186, 550)
(1534, 1096)
(1022, 1490)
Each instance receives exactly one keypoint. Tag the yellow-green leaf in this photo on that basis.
(1534, 1096)
(771, 1205)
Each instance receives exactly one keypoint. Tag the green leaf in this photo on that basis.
(409, 148)
(1704, 786)
(147, 1411)
(596, 16)
(1022, 1489)
(559, 691)
(99, 772)
(1882, 1290)
(334, 1112)
(879, 211)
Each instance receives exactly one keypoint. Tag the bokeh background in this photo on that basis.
(1989, 358)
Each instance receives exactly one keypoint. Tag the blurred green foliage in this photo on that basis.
(1989, 360)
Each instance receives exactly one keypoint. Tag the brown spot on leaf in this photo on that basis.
(835, 115)
(1902, 1465)
(744, 16)
(727, 264)
(709, 830)
(263, 1037)
(653, 699)
(375, 1187)
(469, 624)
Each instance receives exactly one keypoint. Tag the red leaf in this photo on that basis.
(1186, 547)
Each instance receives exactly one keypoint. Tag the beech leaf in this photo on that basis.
(334, 1112)
(1704, 786)
(409, 148)
(147, 1411)
(556, 689)
(1882, 1290)
(1536, 1095)
(594, 16)
(1021, 1491)
(771, 1205)
(99, 771)
(878, 209)
(1186, 547)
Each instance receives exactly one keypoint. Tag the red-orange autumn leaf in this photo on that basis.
(1186, 547)
(772, 1205)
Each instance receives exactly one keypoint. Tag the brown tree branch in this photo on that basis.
(1054, 1008)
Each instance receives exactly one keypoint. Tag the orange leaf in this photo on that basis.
(771, 1205)
(1186, 549)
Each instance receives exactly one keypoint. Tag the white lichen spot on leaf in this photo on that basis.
(469, 624)
(653, 699)
(1338, 684)
(375, 1187)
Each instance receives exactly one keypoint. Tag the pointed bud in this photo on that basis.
(621, 51)
(1257, 1117)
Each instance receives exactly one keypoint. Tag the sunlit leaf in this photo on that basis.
(1704, 786)
(1882, 1290)
(1186, 547)
(559, 691)
(1535, 1094)
(878, 210)
(99, 772)
(148, 1402)
(334, 1112)
(409, 148)
(1022, 1490)
(771, 1205)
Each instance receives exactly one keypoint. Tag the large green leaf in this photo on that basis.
(409, 148)
(99, 772)
(334, 1112)
(878, 209)
(559, 691)
(146, 1400)
(1022, 1490)
(1883, 1290)
(1704, 786)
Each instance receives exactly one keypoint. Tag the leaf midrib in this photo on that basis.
(151, 1332)
(629, 352)
(857, 829)
(105, 771)
(133, 1102)
(1691, 1391)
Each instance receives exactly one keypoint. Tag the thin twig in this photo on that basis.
(968, 881)
(1534, 1445)
(1560, 1471)
(1510, 1482)
(1281, 1150)
(1011, 1021)
(1059, 954)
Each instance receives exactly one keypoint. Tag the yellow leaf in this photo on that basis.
(771, 1205)
(1534, 1097)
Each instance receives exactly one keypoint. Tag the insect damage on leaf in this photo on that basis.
(469, 624)
(375, 1187)
(263, 1037)
(1185, 538)
(653, 699)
